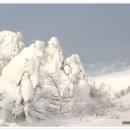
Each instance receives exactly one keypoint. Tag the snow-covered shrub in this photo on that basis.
(114, 115)
(122, 93)
(99, 105)
(100, 94)
(56, 97)
(50, 106)
(91, 108)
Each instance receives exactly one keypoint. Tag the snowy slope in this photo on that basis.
(118, 80)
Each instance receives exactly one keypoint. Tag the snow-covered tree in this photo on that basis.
(54, 56)
(74, 69)
(37, 80)
(11, 44)
(64, 79)
(55, 81)
(22, 74)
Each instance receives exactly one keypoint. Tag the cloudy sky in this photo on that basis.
(98, 33)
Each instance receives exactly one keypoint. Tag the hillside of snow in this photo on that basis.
(116, 81)
(39, 87)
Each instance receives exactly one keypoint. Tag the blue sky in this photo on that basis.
(98, 33)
